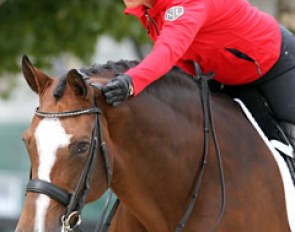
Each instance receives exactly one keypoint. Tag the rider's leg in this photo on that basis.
(279, 93)
(278, 87)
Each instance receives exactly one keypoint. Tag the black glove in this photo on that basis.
(118, 89)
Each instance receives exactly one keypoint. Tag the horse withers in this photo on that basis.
(155, 144)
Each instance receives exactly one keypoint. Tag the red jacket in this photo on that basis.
(231, 38)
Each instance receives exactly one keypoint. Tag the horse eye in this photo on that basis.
(80, 147)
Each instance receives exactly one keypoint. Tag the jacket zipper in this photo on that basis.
(258, 68)
(151, 20)
(244, 56)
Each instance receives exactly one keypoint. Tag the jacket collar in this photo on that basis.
(158, 6)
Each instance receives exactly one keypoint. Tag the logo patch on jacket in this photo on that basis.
(174, 13)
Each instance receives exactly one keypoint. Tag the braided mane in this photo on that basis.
(176, 75)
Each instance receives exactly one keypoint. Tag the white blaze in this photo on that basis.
(49, 136)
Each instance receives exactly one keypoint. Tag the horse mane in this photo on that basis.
(174, 76)
(112, 66)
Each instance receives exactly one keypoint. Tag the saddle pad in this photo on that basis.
(285, 174)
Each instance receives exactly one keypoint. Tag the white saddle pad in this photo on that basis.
(285, 174)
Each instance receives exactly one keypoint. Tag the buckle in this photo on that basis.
(71, 222)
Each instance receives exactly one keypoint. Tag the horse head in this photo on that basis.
(58, 146)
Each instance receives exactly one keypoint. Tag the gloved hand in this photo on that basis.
(118, 89)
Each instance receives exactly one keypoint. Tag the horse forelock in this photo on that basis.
(60, 88)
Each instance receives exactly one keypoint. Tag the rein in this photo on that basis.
(208, 127)
(75, 202)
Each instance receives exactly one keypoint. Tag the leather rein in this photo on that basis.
(209, 127)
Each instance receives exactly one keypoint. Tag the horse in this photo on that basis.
(155, 151)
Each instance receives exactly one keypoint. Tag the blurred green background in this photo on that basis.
(57, 36)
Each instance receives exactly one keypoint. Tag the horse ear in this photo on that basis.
(76, 82)
(35, 78)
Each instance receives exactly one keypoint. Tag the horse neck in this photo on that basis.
(157, 152)
(153, 163)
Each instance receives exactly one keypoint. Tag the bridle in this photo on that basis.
(75, 201)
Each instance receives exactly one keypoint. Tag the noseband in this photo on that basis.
(75, 201)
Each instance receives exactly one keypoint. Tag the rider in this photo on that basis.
(236, 41)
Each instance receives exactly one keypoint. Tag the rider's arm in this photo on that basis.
(174, 40)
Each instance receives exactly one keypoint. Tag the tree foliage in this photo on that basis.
(45, 29)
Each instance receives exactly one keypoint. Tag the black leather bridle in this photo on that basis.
(75, 201)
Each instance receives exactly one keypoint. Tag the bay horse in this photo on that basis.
(155, 144)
